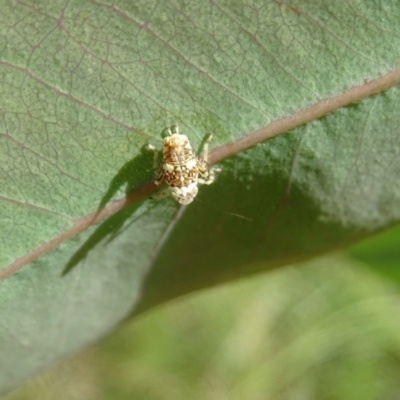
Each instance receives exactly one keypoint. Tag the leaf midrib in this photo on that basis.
(277, 127)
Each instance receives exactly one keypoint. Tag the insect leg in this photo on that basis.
(158, 171)
(204, 155)
(209, 176)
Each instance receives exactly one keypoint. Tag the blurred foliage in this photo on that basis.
(324, 330)
(381, 252)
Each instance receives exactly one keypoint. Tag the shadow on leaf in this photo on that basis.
(131, 176)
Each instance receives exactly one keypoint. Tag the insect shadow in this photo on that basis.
(131, 176)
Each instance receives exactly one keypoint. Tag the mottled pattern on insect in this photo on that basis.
(181, 169)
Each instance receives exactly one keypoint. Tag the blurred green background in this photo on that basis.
(326, 329)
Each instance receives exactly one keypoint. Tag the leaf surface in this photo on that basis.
(84, 85)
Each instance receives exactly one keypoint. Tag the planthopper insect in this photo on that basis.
(181, 169)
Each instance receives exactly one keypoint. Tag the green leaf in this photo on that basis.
(84, 85)
(381, 252)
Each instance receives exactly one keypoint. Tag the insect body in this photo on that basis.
(181, 169)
